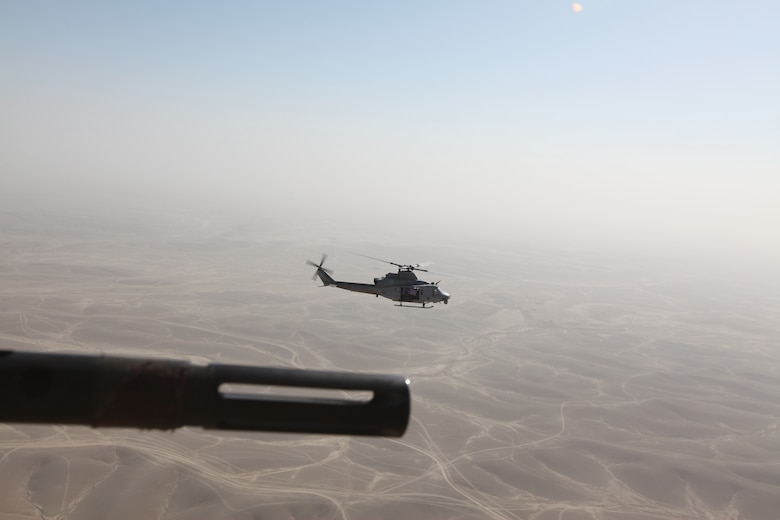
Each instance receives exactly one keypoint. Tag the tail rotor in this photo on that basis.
(319, 266)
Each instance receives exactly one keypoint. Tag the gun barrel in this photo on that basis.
(113, 391)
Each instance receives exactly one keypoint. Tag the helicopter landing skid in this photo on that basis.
(423, 306)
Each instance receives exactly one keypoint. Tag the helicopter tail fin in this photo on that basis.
(321, 271)
(325, 277)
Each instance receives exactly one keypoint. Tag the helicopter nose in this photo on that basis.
(446, 297)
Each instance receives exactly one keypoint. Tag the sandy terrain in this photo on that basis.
(550, 388)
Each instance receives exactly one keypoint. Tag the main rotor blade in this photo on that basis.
(411, 267)
(378, 259)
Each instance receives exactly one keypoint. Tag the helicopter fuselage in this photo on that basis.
(402, 287)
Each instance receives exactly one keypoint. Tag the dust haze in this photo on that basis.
(596, 188)
(555, 385)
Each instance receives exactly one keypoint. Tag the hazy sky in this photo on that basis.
(633, 123)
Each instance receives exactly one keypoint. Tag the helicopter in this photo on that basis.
(402, 287)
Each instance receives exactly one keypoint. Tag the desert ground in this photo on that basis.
(552, 387)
